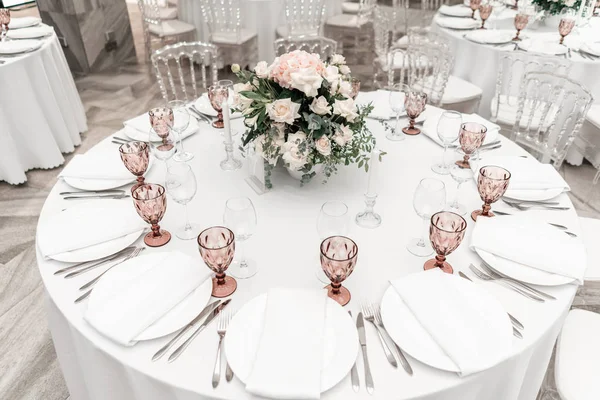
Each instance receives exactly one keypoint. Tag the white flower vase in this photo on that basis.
(317, 169)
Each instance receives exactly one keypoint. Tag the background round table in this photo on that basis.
(285, 247)
(41, 114)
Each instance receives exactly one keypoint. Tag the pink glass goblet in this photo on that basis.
(446, 232)
(414, 103)
(338, 259)
(485, 10)
(521, 21)
(565, 27)
(135, 156)
(216, 95)
(150, 201)
(492, 183)
(355, 84)
(4, 21)
(161, 120)
(474, 4)
(217, 248)
(471, 137)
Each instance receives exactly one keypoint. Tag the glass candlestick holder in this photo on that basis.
(369, 218)
(230, 163)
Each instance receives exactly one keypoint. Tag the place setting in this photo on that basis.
(35, 32)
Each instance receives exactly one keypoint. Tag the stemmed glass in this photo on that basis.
(333, 220)
(338, 259)
(4, 21)
(181, 185)
(446, 232)
(521, 21)
(150, 202)
(448, 128)
(429, 198)
(240, 217)
(492, 183)
(161, 119)
(474, 4)
(181, 121)
(485, 10)
(396, 99)
(567, 22)
(216, 95)
(460, 175)
(217, 248)
(471, 138)
(355, 84)
(414, 102)
(135, 156)
(165, 148)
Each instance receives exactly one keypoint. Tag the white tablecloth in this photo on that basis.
(285, 247)
(261, 16)
(41, 115)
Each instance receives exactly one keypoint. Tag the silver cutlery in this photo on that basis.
(126, 250)
(369, 315)
(354, 372)
(99, 196)
(178, 351)
(205, 311)
(221, 331)
(107, 191)
(228, 373)
(490, 148)
(200, 115)
(120, 139)
(135, 253)
(499, 275)
(510, 201)
(516, 323)
(117, 257)
(483, 276)
(388, 338)
(526, 207)
(362, 337)
(483, 146)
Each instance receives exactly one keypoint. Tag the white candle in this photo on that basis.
(226, 122)
(373, 168)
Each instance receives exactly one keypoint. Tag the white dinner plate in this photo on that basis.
(485, 36)
(24, 22)
(35, 32)
(340, 343)
(458, 10)
(522, 272)
(176, 318)
(15, 47)
(203, 105)
(97, 184)
(457, 23)
(409, 334)
(543, 47)
(533, 195)
(140, 136)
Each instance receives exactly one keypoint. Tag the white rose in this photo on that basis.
(345, 108)
(307, 80)
(262, 69)
(338, 59)
(343, 136)
(284, 110)
(239, 101)
(323, 145)
(332, 74)
(320, 106)
(344, 69)
(292, 155)
(345, 88)
(569, 3)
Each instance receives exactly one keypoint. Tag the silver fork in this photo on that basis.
(483, 276)
(379, 322)
(135, 253)
(498, 275)
(369, 314)
(222, 325)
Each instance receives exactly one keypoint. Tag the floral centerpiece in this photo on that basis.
(554, 7)
(300, 110)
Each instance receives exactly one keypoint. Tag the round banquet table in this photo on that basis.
(41, 115)
(478, 63)
(261, 16)
(285, 247)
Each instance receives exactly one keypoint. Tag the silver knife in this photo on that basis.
(208, 309)
(354, 372)
(111, 191)
(362, 337)
(98, 262)
(519, 283)
(203, 116)
(107, 196)
(189, 340)
(118, 257)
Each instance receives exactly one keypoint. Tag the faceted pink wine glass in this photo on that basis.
(446, 232)
(216, 95)
(471, 137)
(161, 120)
(565, 27)
(485, 10)
(217, 248)
(338, 259)
(491, 184)
(521, 21)
(135, 156)
(414, 103)
(150, 201)
(355, 87)
(474, 4)
(4, 21)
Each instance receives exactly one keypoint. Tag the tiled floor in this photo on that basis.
(28, 366)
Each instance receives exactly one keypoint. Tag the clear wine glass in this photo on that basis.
(163, 143)
(181, 122)
(333, 220)
(240, 217)
(448, 128)
(429, 198)
(181, 186)
(460, 175)
(396, 99)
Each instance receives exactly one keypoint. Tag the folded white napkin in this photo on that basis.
(430, 126)
(458, 10)
(30, 33)
(97, 165)
(543, 46)
(490, 36)
(289, 357)
(457, 23)
(16, 23)
(129, 307)
(380, 100)
(591, 47)
(527, 173)
(532, 243)
(19, 46)
(81, 226)
(456, 319)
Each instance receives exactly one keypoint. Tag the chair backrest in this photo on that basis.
(322, 46)
(150, 10)
(187, 57)
(366, 8)
(432, 5)
(383, 28)
(511, 73)
(551, 110)
(423, 36)
(304, 17)
(223, 17)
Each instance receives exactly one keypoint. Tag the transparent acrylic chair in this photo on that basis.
(549, 116)
(324, 47)
(388, 27)
(302, 18)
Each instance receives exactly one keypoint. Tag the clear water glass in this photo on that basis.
(182, 186)
(333, 220)
(448, 128)
(181, 122)
(460, 175)
(429, 198)
(240, 217)
(396, 100)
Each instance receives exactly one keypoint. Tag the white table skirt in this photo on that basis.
(41, 115)
(261, 16)
(97, 369)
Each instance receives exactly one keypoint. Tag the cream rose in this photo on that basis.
(338, 59)
(293, 157)
(323, 145)
(345, 88)
(345, 108)
(307, 80)
(239, 101)
(320, 106)
(344, 69)
(283, 110)
(331, 74)
(262, 69)
(343, 136)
